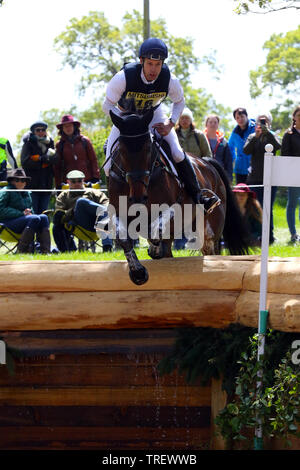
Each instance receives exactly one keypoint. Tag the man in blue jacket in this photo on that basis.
(236, 142)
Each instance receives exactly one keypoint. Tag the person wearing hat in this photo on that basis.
(17, 214)
(148, 83)
(38, 158)
(236, 142)
(77, 206)
(251, 211)
(255, 146)
(75, 152)
(192, 140)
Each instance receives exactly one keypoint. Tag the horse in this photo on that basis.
(141, 174)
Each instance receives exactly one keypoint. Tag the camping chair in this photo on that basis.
(7, 236)
(87, 240)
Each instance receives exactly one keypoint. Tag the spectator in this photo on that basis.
(38, 158)
(236, 142)
(192, 140)
(77, 207)
(75, 152)
(291, 147)
(16, 213)
(218, 144)
(6, 155)
(255, 146)
(251, 211)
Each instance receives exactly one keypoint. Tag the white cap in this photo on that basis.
(75, 174)
(187, 112)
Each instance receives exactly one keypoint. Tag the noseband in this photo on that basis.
(139, 175)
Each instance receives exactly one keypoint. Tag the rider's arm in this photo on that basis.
(114, 91)
(177, 97)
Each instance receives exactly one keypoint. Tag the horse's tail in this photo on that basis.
(235, 233)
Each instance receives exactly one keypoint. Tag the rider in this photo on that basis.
(149, 82)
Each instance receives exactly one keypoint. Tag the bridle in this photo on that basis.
(139, 175)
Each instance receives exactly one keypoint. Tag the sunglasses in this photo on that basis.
(77, 180)
(23, 180)
(40, 129)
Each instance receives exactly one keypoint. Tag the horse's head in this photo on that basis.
(135, 151)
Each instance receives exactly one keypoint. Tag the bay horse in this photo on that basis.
(139, 172)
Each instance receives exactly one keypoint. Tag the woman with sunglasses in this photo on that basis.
(16, 213)
(38, 158)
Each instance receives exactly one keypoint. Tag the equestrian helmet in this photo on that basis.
(153, 48)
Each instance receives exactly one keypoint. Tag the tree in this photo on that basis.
(282, 65)
(265, 6)
(100, 49)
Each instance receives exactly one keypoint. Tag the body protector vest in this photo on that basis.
(145, 96)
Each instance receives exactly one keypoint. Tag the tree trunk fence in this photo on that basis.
(87, 342)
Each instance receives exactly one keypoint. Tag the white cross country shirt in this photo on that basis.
(117, 86)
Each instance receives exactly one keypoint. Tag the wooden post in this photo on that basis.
(218, 402)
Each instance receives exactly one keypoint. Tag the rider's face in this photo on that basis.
(152, 68)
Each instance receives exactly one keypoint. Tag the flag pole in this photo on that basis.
(263, 312)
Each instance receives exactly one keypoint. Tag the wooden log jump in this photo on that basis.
(210, 291)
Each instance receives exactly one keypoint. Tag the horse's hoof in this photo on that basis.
(139, 277)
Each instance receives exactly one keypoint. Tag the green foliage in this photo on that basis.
(274, 404)
(208, 352)
(100, 49)
(282, 65)
(231, 353)
(264, 6)
(282, 116)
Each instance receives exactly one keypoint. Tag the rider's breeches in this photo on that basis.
(172, 139)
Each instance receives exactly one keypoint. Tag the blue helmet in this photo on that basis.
(153, 48)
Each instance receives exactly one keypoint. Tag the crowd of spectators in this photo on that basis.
(46, 166)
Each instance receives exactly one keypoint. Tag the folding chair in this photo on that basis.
(8, 236)
(87, 240)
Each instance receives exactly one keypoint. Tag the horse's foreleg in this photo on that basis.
(137, 272)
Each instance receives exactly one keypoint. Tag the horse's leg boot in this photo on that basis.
(26, 240)
(188, 177)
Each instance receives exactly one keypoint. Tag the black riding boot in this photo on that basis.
(26, 241)
(188, 176)
(43, 238)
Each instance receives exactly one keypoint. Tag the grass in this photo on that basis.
(280, 248)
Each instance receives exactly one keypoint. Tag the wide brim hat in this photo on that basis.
(18, 173)
(68, 118)
(243, 188)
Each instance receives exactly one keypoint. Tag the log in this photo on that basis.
(283, 276)
(117, 310)
(106, 396)
(187, 273)
(284, 311)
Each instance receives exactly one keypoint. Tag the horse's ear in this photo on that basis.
(148, 116)
(117, 120)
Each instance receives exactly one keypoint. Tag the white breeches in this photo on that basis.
(172, 139)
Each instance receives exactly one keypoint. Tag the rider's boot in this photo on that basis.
(188, 176)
